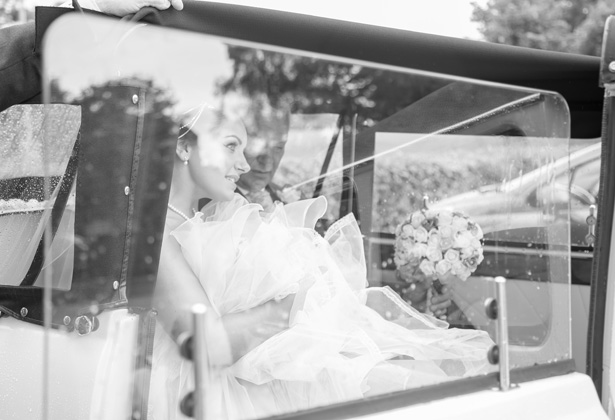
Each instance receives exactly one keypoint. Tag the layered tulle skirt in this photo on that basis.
(344, 341)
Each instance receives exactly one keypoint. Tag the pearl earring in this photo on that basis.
(185, 161)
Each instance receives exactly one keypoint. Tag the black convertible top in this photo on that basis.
(574, 76)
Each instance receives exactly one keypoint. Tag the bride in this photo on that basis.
(296, 325)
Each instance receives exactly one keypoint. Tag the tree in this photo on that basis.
(13, 11)
(573, 26)
(16, 11)
(109, 127)
(308, 85)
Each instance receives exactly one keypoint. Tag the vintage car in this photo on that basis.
(380, 122)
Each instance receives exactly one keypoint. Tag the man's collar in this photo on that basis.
(241, 190)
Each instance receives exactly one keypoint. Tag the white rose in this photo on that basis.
(415, 253)
(446, 243)
(413, 259)
(463, 239)
(420, 234)
(434, 239)
(408, 230)
(471, 263)
(400, 259)
(446, 231)
(427, 267)
(445, 217)
(433, 253)
(417, 219)
(408, 245)
(476, 231)
(459, 223)
(458, 268)
(430, 214)
(452, 256)
(420, 249)
(443, 267)
(467, 252)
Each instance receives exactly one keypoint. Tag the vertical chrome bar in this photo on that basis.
(200, 359)
(500, 284)
(47, 270)
(353, 145)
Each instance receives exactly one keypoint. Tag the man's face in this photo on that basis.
(264, 152)
(263, 156)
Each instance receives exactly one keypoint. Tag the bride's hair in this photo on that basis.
(203, 114)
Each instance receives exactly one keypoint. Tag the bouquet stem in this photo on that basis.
(437, 286)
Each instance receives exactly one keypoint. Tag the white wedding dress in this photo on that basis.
(345, 340)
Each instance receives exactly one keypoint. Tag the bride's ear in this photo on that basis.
(182, 150)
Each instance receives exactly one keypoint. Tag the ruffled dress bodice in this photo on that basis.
(244, 257)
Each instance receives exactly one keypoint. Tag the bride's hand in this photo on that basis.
(248, 329)
(277, 313)
(417, 293)
(406, 273)
(440, 302)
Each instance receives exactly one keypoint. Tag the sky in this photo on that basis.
(441, 17)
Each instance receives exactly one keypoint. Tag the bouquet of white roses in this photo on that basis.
(442, 245)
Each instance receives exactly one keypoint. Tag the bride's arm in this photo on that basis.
(177, 290)
(246, 330)
(233, 335)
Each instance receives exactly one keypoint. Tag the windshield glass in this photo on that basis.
(309, 230)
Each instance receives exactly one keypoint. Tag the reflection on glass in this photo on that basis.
(306, 307)
(31, 178)
(496, 188)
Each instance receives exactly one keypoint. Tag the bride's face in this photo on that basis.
(217, 159)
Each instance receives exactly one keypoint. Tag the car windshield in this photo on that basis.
(314, 206)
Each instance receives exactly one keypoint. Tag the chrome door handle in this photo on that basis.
(590, 238)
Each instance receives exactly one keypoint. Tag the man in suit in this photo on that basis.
(268, 133)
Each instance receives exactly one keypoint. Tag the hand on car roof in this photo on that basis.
(126, 7)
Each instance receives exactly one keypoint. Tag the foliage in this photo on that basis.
(400, 187)
(573, 26)
(16, 11)
(312, 85)
(12, 11)
(109, 126)
(401, 183)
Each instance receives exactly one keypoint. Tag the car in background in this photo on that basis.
(569, 181)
